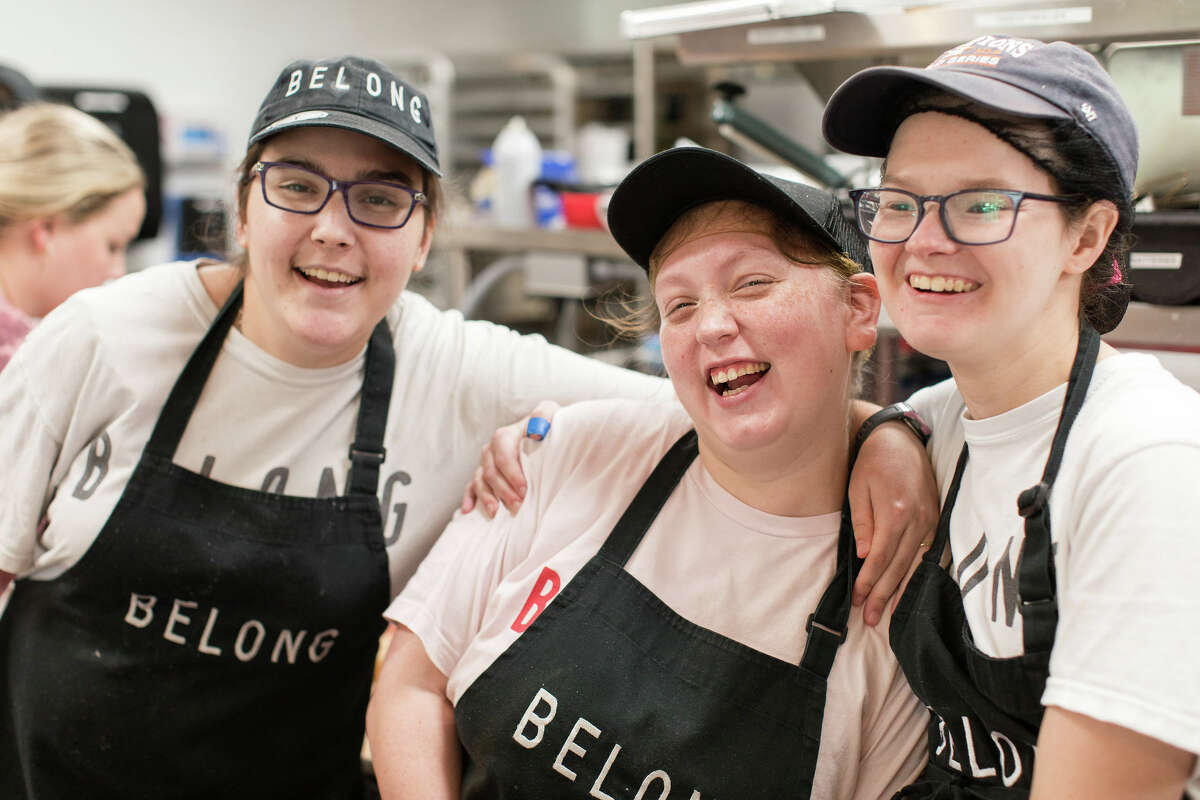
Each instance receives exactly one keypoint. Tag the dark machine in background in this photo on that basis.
(133, 117)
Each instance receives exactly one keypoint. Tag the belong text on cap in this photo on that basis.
(352, 93)
(1025, 77)
(662, 188)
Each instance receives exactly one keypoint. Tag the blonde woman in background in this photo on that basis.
(71, 200)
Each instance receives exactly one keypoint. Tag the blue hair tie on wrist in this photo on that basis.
(538, 428)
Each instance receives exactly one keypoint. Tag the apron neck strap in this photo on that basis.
(366, 453)
(1036, 576)
(1036, 572)
(934, 554)
(827, 625)
(629, 530)
(177, 410)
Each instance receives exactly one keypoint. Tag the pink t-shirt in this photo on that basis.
(15, 324)
(746, 574)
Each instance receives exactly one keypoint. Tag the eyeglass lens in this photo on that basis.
(971, 217)
(375, 203)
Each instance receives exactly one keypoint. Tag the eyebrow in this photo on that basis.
(398, 176)
(975, 182)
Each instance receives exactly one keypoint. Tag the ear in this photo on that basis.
(41, 231)
(426, 240)
(863, 312)
(240, 230)
(1091, 236)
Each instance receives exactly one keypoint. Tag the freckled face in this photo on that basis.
(89, 252)
(318, 284)
(1018, 295)
(755, 344)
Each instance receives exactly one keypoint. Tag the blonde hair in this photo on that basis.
(636, 317)
(57, 160)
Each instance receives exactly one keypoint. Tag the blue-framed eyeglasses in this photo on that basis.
(970, 216)
(376, 204)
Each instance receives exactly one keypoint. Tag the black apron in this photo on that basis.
(985, 711)
(213, 641)
(610, 694)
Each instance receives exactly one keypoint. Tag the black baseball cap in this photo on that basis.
(1025, 77)
(662, 188)
(353, 93)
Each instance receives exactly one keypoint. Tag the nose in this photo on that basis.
(716, 322)
(332, 225)
(930, 235)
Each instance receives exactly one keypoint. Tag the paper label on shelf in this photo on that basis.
(785, 34)
(1002, 20)
(1156, 260)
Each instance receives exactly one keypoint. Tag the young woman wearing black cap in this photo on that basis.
(227, 471)
(669, 612)
(1057, 620)
(201, 569)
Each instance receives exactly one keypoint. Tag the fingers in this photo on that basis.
(894, 576)
(500, 476)
(875, 576)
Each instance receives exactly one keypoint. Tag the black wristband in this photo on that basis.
(900, 412)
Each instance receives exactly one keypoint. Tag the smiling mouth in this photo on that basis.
(941, 285)
(327, 278)
(738, 378)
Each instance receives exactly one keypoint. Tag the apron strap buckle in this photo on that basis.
(812, 623)
(375, 457)
(1033, 500)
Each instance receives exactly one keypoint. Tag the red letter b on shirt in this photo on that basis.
(544, 589)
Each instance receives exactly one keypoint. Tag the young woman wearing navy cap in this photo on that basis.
(1053, 614)
(226, 471)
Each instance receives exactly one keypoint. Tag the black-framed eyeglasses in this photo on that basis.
(376, 204)
(970, 216)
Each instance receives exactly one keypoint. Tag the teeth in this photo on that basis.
(939, 283)
(326, 275)
(726, 375)
(732, 392)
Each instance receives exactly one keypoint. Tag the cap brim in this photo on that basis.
(860, 117)
(387, 134)
(660, 189)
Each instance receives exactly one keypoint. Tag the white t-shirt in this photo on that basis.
(746, 574)
(1125, 525)
(83, 393)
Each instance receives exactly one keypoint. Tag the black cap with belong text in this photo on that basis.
(352, 93)
(1025, 77)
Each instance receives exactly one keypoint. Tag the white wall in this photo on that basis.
(214, 59)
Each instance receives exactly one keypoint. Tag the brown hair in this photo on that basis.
(55, 159)
(1078, 165)
(245, 175)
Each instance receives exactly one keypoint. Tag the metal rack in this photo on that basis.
(834, 38)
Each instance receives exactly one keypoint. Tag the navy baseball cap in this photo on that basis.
(662, 188)
(1025, 77)
(353, 93)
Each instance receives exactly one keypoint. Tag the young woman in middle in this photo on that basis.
(666, 615)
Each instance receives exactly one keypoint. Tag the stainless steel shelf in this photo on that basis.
(1152, 327)
(588, 242)
(888, 28)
